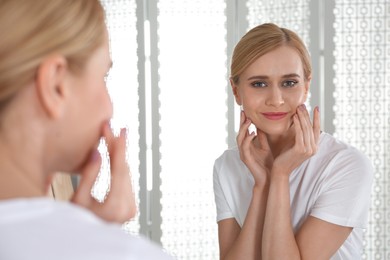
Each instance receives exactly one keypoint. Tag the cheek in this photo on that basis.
(108, 104)
(102, 102)
(296, 99)
(251, 99)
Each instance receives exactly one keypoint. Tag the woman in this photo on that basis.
(55, 108)
(288, 191)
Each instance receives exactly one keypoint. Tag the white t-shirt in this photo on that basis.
(45, 229)
(333, 185)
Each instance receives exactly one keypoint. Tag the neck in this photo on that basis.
(19, 186)
(279, 144)
(21, 174)
(17, 183)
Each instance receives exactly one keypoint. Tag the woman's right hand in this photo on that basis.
(119, 205)
(254, 151)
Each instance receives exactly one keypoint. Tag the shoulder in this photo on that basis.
(230, 171)
(229, 157)
(64, 225)
(342, 152)
(110, 238)
(228, 164)
(344, 159)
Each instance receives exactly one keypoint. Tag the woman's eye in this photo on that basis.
(289, 83)
(259, 84)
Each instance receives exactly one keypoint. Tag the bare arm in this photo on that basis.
(244, 243)
(279, 241)
(320, 239)
(316, 239)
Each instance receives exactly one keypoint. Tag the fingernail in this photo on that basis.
(95, 155)
(124, 132)
(318, 109)
(302, 107)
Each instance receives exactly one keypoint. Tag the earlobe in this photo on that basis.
(50, 85)
(236, 92)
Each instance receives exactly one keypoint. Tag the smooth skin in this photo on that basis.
(55, 125)
(275, 83)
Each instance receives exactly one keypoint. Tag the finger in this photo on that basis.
(243, 131)
(304, 118)
(121, 196)
(118, 166)
(120, 173)
(307, 129)
(316, 124)
(247, 143)
(116, 147)
(89, 174)
(242, 117)
(298, 132)
(108, 135)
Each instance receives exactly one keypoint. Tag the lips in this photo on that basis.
(275, 115)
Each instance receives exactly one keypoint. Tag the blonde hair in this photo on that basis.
(261, 40)
(33, 29)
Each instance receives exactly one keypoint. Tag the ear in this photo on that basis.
(235, 92)
(50, 85)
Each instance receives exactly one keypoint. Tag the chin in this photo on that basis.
(275, 127)
(80, 165)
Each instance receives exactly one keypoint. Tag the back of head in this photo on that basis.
(33, 29)
(261, 40)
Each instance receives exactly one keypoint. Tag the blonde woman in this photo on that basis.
(54, 109)
(288, 190)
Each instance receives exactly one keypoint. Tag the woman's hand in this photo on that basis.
(257, 156)
(119, 205)
(306, 141)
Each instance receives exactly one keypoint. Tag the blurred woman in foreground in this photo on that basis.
(54, 109)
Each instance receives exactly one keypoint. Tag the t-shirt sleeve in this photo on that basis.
(345, 199)
(223, 209)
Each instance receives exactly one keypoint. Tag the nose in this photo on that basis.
(275, 97)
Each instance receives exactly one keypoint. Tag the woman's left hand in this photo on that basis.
(306, 141)
(119, 205)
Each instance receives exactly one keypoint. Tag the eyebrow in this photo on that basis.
(290, 75)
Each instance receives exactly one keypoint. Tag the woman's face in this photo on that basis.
(271, 89)
(89, 109)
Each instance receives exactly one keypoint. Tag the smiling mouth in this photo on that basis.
(275, 115)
